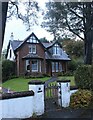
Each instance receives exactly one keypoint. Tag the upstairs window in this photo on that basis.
(32, 39)
(56, 49)
(32, 49)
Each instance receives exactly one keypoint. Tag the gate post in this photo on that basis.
(64, 93)
(38, 99)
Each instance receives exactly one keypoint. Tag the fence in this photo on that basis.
(51, 91)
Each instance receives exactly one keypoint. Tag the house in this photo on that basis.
(34, 57)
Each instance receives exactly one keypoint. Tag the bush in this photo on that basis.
(68, 73)
(81, 99)
(74, 63)
(8, 69)
(83, 77)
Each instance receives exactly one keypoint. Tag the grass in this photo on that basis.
(21, 84)
(71, 78)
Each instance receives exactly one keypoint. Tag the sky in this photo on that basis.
(19, 30)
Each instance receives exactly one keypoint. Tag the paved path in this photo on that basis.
(67, 113)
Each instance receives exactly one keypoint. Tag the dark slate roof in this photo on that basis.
(30, 55)
(64, 56)
(46, 45)
(15, 44)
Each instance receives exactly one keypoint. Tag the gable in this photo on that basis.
(33, 39)
(10, 53)
(30, 39)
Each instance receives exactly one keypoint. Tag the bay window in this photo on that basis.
(34, 65)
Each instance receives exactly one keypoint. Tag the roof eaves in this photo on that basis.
(27, 39)
(53, 44)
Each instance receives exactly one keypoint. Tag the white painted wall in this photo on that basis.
(17, 107)
(73, 91)
(65, 93)
(38, 98)
(0, 109)
(12, 54)
(59, 93)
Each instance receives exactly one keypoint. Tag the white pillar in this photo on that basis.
(38, 100)
(65, 93)
(59, 93)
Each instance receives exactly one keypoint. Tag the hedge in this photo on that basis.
(8, 69)
(83, 77)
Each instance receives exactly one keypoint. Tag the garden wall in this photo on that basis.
(23, 104)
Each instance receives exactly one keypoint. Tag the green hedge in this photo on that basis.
(8, 69)
(81, 99)
(83, 77)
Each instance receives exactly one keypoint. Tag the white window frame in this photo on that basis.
(60, 67)
(56, 66)
(55, 49)
(27, 63)
(53, 66)
(36, 67)
(31, 49)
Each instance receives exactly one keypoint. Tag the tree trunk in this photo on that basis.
(88, 55)
(88, 35)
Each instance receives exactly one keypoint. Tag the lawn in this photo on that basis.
(71, 78)
(21, 84)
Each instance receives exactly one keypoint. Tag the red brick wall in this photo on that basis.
(23, 51)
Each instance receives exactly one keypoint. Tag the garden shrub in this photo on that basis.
(74, 63)
(83, 77)
(81, 99)
(68, 73)
(8, 69)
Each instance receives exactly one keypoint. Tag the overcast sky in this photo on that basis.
(19, 30)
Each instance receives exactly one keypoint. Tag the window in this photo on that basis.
(28, 65)
(32, 49)
(60, 67)
(34, 66)
(40, 66)
(32, 39)
(54, 66)
(56, 49)
(10, 53)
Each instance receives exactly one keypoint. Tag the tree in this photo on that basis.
(76, 17)
(75, 49)
(44, 40)
(25, 10)
(3, 14)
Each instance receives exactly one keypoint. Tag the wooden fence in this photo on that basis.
(51, 90)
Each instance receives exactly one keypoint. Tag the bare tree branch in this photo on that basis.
(74, 12)
(73, 30)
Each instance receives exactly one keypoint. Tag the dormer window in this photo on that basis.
(32, 49)
(56, 50)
